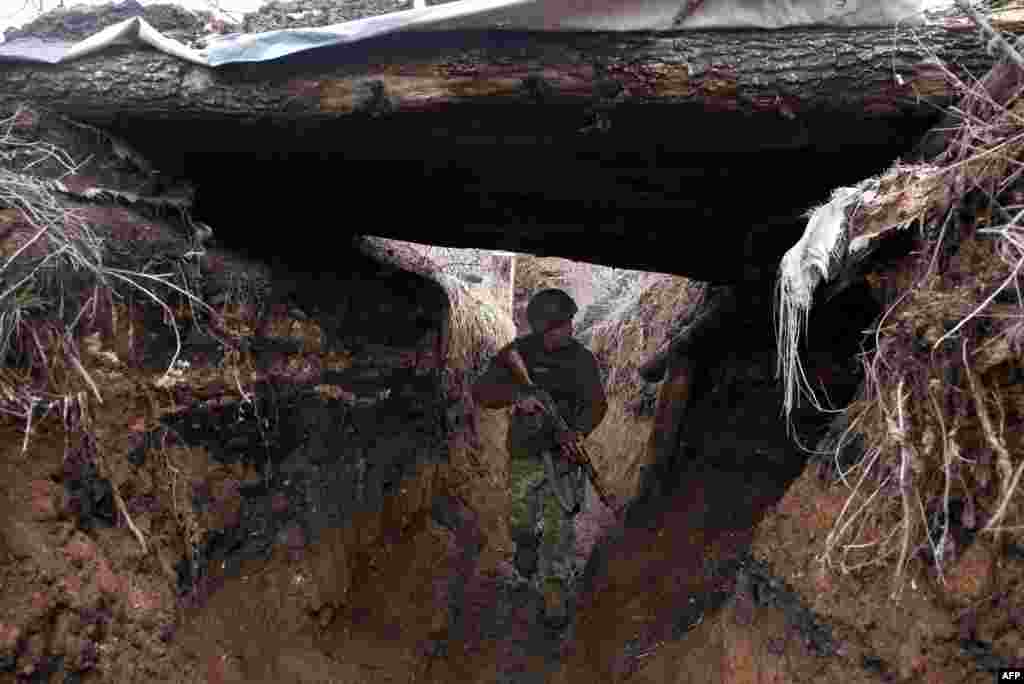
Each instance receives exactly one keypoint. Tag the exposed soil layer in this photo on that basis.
(310, 421)
(320, 525)
(686, 555)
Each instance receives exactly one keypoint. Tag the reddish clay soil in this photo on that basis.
(77, 594)
(667, 569)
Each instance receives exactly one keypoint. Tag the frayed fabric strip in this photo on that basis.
(813, 259)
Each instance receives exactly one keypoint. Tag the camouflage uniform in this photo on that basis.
(542, 529)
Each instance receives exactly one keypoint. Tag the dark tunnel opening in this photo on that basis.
(708, 207)
(734, 428)
(512, 178)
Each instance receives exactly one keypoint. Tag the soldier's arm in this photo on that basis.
(497, 388)
(594, 405)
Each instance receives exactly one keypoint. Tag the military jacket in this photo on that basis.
(569, 374)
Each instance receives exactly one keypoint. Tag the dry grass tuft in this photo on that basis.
(654, 309)
(59, 280)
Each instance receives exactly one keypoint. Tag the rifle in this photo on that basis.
(575, 451)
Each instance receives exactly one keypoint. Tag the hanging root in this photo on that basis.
(127, 518)
(1009, 489)
(956, 287)
(1009, 479)
(939, 547)
(843, 522)
(898, 433)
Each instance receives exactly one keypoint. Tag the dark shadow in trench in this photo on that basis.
(735, 459)
(735, 424)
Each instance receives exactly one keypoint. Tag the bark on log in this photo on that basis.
(813, 108)
(788, 73)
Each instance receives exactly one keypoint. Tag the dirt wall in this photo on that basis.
(309, 454)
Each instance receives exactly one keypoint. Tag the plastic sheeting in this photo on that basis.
(811, 261)
(541, 15)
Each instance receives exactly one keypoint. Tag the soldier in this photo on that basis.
(565, 375)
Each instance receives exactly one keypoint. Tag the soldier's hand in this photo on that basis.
(532, 399)
(568, 438)
(530, 405)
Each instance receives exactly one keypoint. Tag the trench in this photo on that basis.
(348, 544)
(416, 598)
(347, 519)
(400, 590)
(685, 544)
(347, 536)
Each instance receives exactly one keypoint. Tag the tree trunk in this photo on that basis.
(442, 138)
(789, 72)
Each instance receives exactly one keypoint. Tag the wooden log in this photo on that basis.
(784, 73)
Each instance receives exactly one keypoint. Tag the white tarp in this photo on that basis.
(540, 15)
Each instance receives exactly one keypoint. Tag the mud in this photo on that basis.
(90, 497)
(756, 580)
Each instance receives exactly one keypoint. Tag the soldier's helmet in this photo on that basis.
(549, 308)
